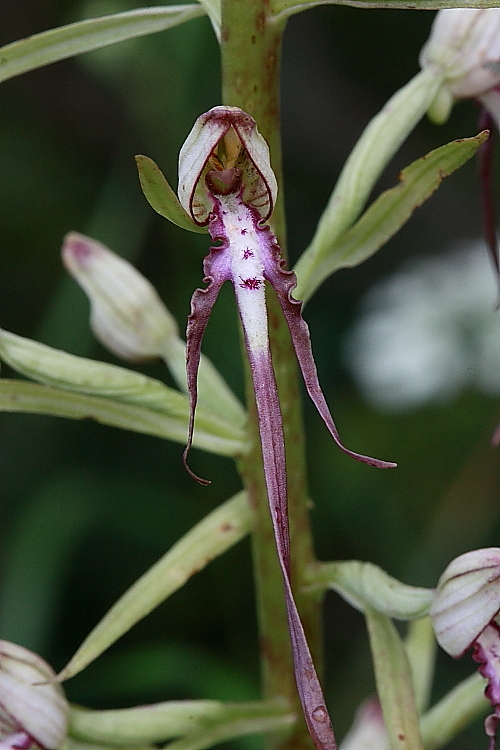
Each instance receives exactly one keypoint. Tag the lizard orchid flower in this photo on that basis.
(466, 614)
(226, 184)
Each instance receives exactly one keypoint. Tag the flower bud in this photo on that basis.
(467, 599)
(127, 315)
(225, 140)
(464, 46)
(33, 709)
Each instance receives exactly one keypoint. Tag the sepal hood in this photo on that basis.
(244, 148)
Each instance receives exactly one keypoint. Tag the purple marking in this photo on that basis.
(250, 283)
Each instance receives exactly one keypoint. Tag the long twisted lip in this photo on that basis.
(249, 255)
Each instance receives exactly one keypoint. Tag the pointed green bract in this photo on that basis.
(93, 33)
(216, 533)
(66, 371)
(391, 210)
(394, 683)
(161, 197)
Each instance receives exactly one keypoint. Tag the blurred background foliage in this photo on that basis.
(86, 509)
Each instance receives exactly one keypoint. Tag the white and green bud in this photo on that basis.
(464, 46)
(129, 318)
(127, 315)
(33, 709)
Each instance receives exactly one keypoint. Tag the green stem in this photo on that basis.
(250, 49)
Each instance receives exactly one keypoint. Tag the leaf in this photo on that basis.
(392, 209)
(216, 533)
(32, 398)
(161, 197)
(282, 9)
(394, 683)
(93, 33)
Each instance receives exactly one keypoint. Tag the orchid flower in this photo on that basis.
(33, 709)
(466, 614)
(227, 185)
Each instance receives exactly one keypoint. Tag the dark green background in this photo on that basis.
(86, 509)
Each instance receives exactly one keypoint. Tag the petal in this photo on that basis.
(193, 156)
(487, 654)
(490, 727)
(283, 283)
(261, 193)
(17, 741)
(30, 696)
(240, 257)
(465, 44)
(368, 730)
(202, 302)
(467, 598)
